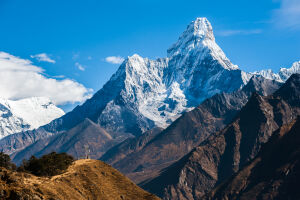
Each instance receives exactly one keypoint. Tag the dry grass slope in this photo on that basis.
(84, 179)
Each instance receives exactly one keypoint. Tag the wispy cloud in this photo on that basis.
(226, 33)
(59, 76)
(288, 15)
(114, 59)
(80, 66)
(19, 78)
(43, 57)
(75, 56)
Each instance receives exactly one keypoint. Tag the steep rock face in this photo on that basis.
(85, 139)
(26, 114)
(224, 153)
(84, 179)
(273, 174)
(188, 131)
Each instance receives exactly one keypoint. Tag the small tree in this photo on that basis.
(48, 165)
(6, 162)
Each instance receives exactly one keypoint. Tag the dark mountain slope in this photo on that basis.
(129, 146)
(224, 153)
(273, 174)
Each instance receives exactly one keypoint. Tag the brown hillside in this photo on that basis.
(273, 174)
(84, 179)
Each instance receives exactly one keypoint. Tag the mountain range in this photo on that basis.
(182, 127)
(282, 75)
(144, 94)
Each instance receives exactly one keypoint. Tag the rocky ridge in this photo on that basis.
(227, 151)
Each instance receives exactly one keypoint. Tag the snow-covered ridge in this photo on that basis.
(26, 114)
(282, 75)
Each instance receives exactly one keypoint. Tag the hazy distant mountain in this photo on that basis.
(85, 139)
(227, 151)
(26, 114)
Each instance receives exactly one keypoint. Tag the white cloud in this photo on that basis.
(114, 59)
(43, 57)
(79, 66)
(288, 15)
(19, 79)
(226, 33)
(89, 58)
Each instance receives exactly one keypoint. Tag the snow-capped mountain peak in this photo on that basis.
(135, 58)
(285, 73)
(198, 41)
(193, 36)
(26, 114)
(36, 111)
(200, 29)
(282, 75)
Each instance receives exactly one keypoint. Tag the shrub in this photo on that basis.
(48, 165)
(6, 162)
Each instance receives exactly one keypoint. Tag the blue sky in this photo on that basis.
(76, 36)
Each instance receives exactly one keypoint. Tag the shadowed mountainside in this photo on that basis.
(129, 146)
(273, 174)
